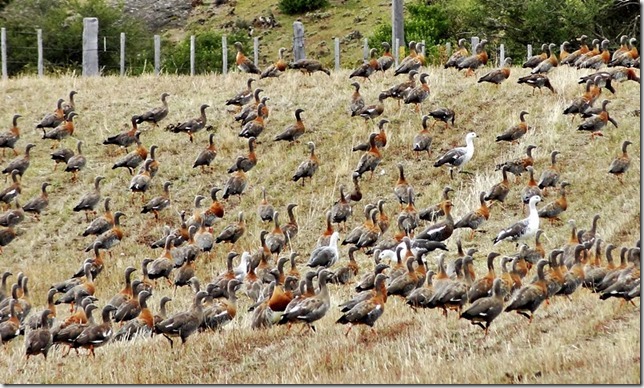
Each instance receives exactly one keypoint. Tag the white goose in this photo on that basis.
(459, 156)
(525, 229)
(325, 256)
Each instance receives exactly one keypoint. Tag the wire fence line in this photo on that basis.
(95, 45)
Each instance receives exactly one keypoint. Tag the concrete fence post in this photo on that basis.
(90, 47)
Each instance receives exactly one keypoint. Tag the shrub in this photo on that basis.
(208, 56)
(292, 7)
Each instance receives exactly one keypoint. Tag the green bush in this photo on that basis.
(292, 7)
(62, 30)
(208, 58)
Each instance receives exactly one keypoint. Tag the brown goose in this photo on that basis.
(537, 81)
(153, 167)
(458, 55)
(76, 162)
(497, 76)
(370, 235)
(481, 287)
(185, 323)
(443, 114)
(405, 283)
(10, 329)
(8, 139)
(232, 232)
(290, 228)
(381, 138)
(400, 90)
(323, 240)
(341, 210)
(386, 61)
(101, 224)
(476, 218)
(124, 139)
(408, 219)
(276, 69)
(353, 236)
(307, 168)
(215, 210)
(8, 194)
(21, 164)
(442, 230)
(309, 66)
(620, 164)
(207, 155)
(133, 159)
(265, 210)
(476, 60)
(432, 213)
(52, 120)
(191, 126)
(276, 239)
(528, 299)
(413, 61)
(589, 236)
(452, 293)
(71, 105)
(310, 309)
(423, 140)
(89, 201)
(531, 189)
(370, 159)
(156, 204)
(143, 325)
(418, 94)
(96, 335)
(61, 155)
(535, 60)
(162, 266)
(500, 190)
(597, 122)
(255, 127)
(62, 131)
(237, 181)
(126, 293)
(368, 311)
(12, 217)
(369, 67)
(246, 162)
(383, 218)
(345, 274)
(39, 340)
(243, 63)
(552, 210)
(515, 132)
(111, 237)
(550, 176)
(244, 96)
(293, 131)
(357, 102)
(518, 166)
(155, 115)
(223, 312)
(249, 111)
(486, 309)
(370, 112)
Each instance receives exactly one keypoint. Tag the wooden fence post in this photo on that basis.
(448, 49)
(224, 55)
(40, 59)
(529, 51)
(475, 42)
(365, 50)
(501, 54)
(337, 53)
(3, 51)
(157, 54)
(397, 23)
(298, 41)
(122, 61)
(396, 50)
(192, 55)
(90, 47)
(256, 51)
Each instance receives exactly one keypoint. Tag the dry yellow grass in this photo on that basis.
(580, 341)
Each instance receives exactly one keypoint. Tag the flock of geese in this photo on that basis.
(282, 295)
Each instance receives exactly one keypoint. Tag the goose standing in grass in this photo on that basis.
(423, 140)
(325, 256)
(486, 309)
(10, 138)
(525, 229)
(459, 156)
(154, 115)
(499, 75)
(357, 102)
(307, 168)
(620, 164)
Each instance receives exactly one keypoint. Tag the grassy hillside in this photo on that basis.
(582, 340)
(340, 19)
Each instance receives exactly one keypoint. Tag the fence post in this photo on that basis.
(192, 55)
(448, 49)
(256, 50)
(337, 53)
(90, 46)
(397, 50)
(298, 41)
(40, 59)
(475, 42)
(424, 48)
(529, 51)
(3, 51)
(224, 55)
(122, 61)
(365, 50)
(157, 54)
(397, 23)
(502, 54)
